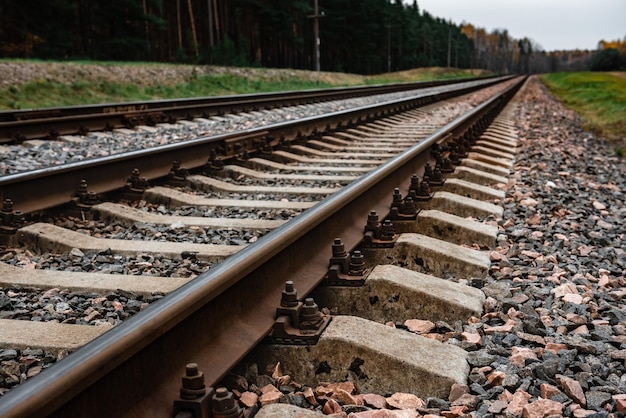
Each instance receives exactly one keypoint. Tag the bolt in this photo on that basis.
(397, 198)
(408, 207)
(310, 312)
(437, 175)
(357, 264)
(415, 183)
(223, 404)
(372, 219)
(388, 231)
(289, 297)
(428, 170)
(82, 187)
(424, 189)
(7, 205)
(339, 249)
(192, 383)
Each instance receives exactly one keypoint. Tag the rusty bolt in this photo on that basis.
(7, 205)
(372, 220)
(428, 170)
(289, 297)
(310, 312)
(415, 183)
(82, 187)
(388, 231)
(408, 207)
(357, 264)
(339, 249)
(424, 189)
(397, 198)
(192, 383)
(224, 405)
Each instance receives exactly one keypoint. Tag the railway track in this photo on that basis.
(232, 307)
(17, 126)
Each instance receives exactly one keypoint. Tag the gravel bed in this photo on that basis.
(105, 262)
(285, 197)
(174, 232)
(224, 212)
(18, 158)
(252, 181)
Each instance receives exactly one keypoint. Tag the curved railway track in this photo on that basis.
(230, 308)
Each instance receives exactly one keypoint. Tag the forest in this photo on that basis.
(354, 36)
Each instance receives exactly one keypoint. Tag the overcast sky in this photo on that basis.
(553, 24)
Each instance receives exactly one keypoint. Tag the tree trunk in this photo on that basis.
(193, 29)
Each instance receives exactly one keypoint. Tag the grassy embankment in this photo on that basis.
(599, 98)
(65, 84)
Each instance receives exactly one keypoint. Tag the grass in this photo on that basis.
(50, 93)
(56, 88)
(599, 98)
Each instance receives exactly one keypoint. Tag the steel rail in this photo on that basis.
(32, 191)
(19, 125)
(134, 370)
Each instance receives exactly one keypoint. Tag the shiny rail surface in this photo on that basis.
(216, 319)
(49, 123)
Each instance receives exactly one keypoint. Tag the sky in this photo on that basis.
(553, 24)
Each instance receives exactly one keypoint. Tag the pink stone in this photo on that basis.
(455, 411)
(496, 378)
(576, 319)
(471, 337)
(500, 328)
(572, 388)
(581, 330)
(518, 402)
(375, 400)
(457, 390)
(573, 298)
(497, 407)
(581, 412)
(331, 407)
(309, 396)
(598, 205)
(496, 256)
(385, 413)
(269, 388)
(405, 401)
(344, 397)
(555, 347)
(547, 390)
(542, 408)
(564, 289)
(537, 339)
(248, 399)
(419, 326)
(270, 397)
(520, 354)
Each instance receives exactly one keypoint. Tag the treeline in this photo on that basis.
(358, 36)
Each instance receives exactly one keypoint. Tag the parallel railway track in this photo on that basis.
(219, 308)
(49, 123)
